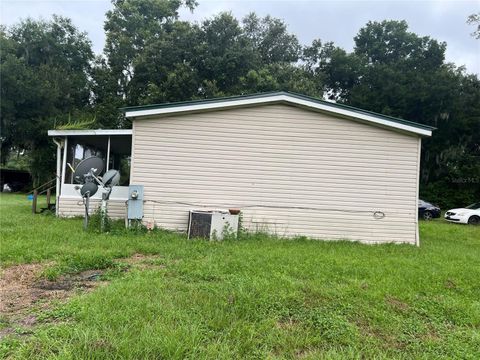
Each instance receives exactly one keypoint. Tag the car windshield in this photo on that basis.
(474, 206)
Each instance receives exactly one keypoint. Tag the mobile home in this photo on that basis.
(294, 165)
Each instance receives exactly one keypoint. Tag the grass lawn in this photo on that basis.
(258, 297)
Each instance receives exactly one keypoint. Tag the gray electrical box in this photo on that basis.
(135, 202)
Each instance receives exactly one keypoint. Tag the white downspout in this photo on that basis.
(58, 174)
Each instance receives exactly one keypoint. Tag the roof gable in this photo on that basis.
(293, 99)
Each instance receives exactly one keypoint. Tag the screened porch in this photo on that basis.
(114, 147)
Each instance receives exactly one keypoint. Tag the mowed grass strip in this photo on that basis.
(257, 297)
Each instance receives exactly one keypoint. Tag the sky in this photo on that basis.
(337, 21)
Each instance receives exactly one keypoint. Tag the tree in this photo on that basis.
(474, 19)
(224, 56)
(256, 55)
(271, 40)
(45, 69)
(165, 70)
(281, 77)
(106, 100)
(333, 68)
(130, 28)
(151, 56)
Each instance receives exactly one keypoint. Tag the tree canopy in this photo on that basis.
(50, 75)
(45, 73)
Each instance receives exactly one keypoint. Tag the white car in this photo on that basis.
(467, 215)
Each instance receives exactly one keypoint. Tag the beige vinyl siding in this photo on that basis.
(292, 172)
(74, 207)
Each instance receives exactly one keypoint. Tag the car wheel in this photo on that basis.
(427, 215)
(474, 220)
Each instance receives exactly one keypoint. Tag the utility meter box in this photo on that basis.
(135, 202)
(213, 225)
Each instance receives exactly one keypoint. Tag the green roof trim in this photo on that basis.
(277, 93)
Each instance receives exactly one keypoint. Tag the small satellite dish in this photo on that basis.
(111, 178)
(89, 189)
(94, 163)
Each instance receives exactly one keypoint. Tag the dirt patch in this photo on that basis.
(22, 289)
(103, 344)
(15, 284)
(287, 323)
(450, 284)
(21, 286)
(387, 340)
(431, 335)
(304, 353)
(143, 262)
(396, 303)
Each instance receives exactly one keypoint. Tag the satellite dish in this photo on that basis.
(93, 164)
(87, 173)
(89, 189)
(111, 178)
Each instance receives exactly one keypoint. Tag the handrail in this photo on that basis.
(47, 183)
(45, 190)
(46, 187)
